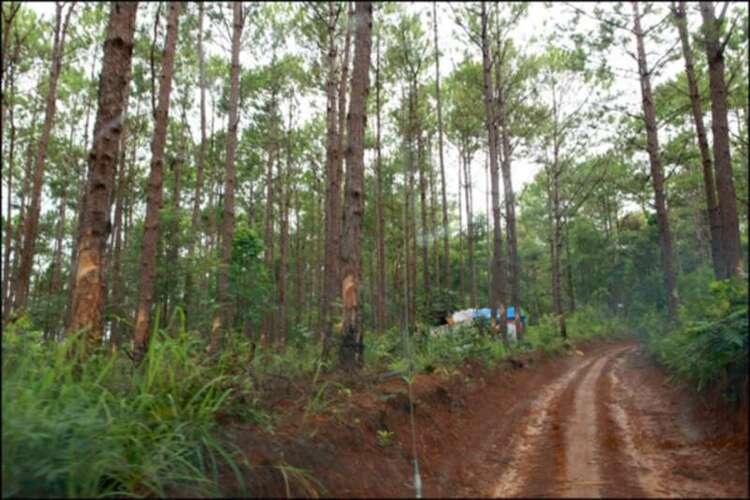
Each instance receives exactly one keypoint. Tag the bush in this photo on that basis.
(710, 347)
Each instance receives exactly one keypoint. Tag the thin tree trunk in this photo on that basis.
(446, 228)
(223, 318)
(195, 219)
(730, 245)
(8, 223)
(657, 174)
(154, 191)
(433, 221)
(284, 198)
(470, 228)
(497, 291)
(462, 297)
(421, 166)
(380, 302)
(411, 206)
(124, 175)
(504, 147)
(714, 219)
(31, 222)
(88, 293)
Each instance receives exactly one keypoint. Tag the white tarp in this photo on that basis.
(467, 315)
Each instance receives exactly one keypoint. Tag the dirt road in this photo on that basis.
(606, 425)
(601, 421)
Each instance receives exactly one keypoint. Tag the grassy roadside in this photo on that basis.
(110, 429)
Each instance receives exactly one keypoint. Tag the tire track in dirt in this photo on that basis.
(669, 457)
(555, 454)
(524, 448)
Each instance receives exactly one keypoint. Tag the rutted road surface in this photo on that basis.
(606, 424)
(602, 421)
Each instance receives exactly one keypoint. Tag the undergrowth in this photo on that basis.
(709, 344)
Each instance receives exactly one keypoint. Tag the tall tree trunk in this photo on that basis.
(657, 174)
(352, 351)
(380, 302)
(123, 176)
(224, 315)
(333, 190)
(411, 206)
(154, 191)
(569, 272)
(31, 222)
(285, 177)
(462, 280)
(470, 227)
(421, 166)
(497, 291)
(88, 293)
(8, 223)
(446, 228)
(714, 219)
(730, 244)
(195, 219)
(505, 148)
(432, 210)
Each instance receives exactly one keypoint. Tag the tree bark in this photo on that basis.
(462, 280)
(730, 244)
(8, 223)
(31, 222)
(89, 288)
(446, 228)
(470, 227)
(352, 350)
(195, 219)
(333, 190)
(504, 146)
(381, 284)
(657, 174)
(224, 314)
(714, 219)
(421, 165)
(154, 191)
(497, 292)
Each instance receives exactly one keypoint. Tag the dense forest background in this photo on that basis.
(274, 178)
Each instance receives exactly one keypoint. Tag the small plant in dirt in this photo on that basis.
(385, 437)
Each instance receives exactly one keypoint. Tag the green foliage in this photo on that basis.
(102, 428)
(710, 347)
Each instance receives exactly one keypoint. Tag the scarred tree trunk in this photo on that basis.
(154, 191)
(88, 293)
(31, 222)
(657, 174)
(714, 220)
(223, 318)
(446, 229)
(351, 353)
(497, 291)
(730, 241)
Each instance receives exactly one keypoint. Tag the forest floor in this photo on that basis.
(601, 420)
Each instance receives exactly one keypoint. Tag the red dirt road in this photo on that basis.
(603, 421)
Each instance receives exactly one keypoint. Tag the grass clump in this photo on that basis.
(103, 428)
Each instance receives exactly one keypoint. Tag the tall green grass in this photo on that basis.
(103, 428)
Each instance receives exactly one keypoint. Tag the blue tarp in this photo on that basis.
(486, 314)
